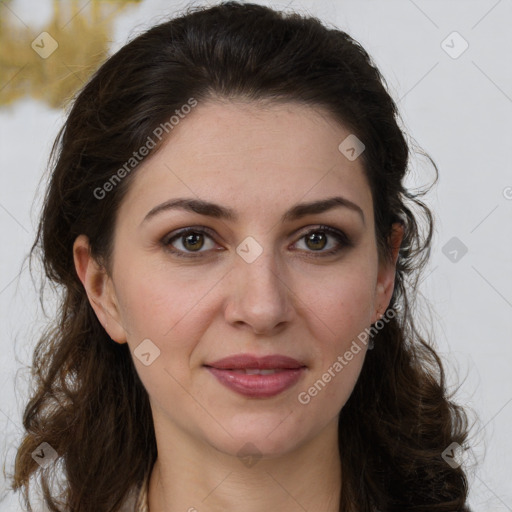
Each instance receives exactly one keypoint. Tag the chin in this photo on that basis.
(271, 437)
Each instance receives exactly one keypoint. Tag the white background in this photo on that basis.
(458, 110)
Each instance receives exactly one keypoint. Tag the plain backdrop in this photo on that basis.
(457, 105)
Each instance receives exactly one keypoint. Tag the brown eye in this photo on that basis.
(193, 242)
(188, 241)
(316, 240)
(322, 237)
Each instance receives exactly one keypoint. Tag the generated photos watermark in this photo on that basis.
(363, 339)
(137, 156)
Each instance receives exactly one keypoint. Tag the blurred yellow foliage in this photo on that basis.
(53, 62)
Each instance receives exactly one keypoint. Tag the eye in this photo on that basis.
(191, 240)
(317, 239)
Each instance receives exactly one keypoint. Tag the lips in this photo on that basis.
(247, 361)
(257, 377)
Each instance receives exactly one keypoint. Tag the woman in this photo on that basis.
(227, 220)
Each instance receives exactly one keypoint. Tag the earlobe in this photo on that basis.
(99, 289)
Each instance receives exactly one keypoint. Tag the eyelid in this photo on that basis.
(182, 231)
(321, 227)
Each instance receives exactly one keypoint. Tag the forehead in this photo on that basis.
(252, 157)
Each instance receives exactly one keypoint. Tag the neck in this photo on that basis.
(187, 477)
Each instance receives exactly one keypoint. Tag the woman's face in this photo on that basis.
(252, 283)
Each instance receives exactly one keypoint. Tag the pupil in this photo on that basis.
(315, 237)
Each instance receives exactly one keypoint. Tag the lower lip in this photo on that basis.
(258, 386)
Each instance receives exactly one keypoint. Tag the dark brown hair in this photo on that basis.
(88, 398)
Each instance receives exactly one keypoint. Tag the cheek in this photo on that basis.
(173, 310)
(345, 316)
(341, 300)
(345, 304)
(340, 309)
(340, 349)
(173, 313)
(157, 303)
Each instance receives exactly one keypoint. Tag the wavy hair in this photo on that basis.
(87, 396)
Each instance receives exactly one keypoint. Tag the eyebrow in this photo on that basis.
(221, 212)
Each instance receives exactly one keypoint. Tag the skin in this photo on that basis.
(260, 161)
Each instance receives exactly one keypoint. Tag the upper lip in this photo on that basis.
(242, 361)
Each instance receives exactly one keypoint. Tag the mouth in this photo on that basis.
(257, 377)
(253, 371)
(250, 362)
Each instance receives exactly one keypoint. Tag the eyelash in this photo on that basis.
(341, 237)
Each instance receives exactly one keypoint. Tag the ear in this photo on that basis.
(99, 288)
(386, 275)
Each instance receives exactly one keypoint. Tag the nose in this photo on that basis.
(259, 297)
